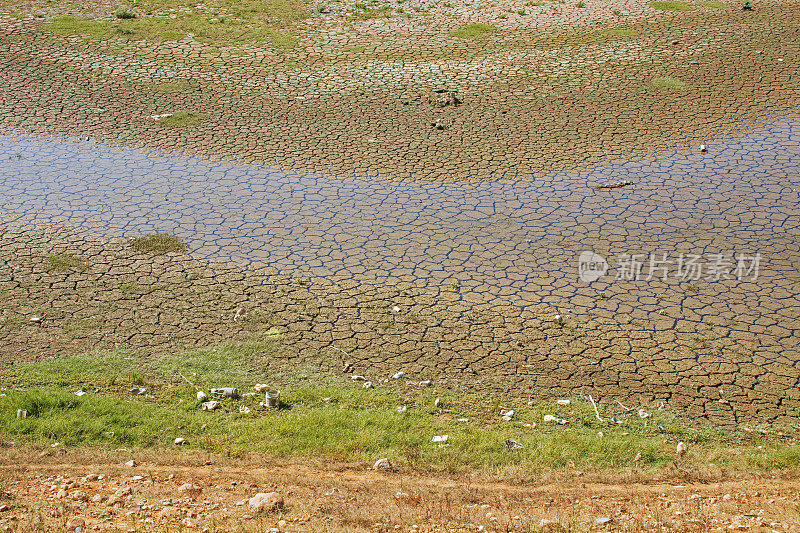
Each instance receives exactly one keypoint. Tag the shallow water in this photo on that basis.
(503, 242)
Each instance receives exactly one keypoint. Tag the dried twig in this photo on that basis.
(189, 382)
(596, 412)
(626, 408)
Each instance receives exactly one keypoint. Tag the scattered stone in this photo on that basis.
(551, 418)
(201, 396)
(76, 523)
(382, 464)
(138, 391)
(703, 148)
(266, 502)
(402, 409)
(210, 406)
(189, 522)
(80, 393)
(190, 488)
(398, 375)
(180, 441)
(79, 495)
(425, 383)
(243, 409)
(440, 438)
(131, 463)
(170, 512)
(562, 402)
(367, 385)
(643, 414)
(436, 402)
(602, 521)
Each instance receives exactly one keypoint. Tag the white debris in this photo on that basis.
(180, 441)
(440, 438)
(201, 396)
(513, 445)
(680, 449)
(210, 406)
(643, 413)
(398, 375)
(562, 402)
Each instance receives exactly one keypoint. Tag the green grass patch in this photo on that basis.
(160, 243)
(181, 119)
(671, 5)
(65, 262)
(171, 87)
(621, 32)
(473, 31)
(711, 3)
(669, 83)
(327, 416)
(68, 25)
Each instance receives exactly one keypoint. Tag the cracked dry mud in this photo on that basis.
(480, 269)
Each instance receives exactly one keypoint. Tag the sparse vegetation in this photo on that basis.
(668, 83)
(671, 5)
(181, 119)
(124, 15)
(171, 87)
(65, 262)
(68, 25)
(160, 243)
(473, 31)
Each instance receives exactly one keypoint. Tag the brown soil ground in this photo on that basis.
(325, 497)
(558, 88)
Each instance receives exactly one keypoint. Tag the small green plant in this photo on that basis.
(64, 262)
(124, 15)
(711, 3)
(181, 119)
(692, 288)
(668, 83)
(580, 4)
(521, 11)
(671, 5)
(159, 243)
(617, 12)
(124, 31)
(473, 31)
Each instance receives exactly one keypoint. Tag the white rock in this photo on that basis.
(243, 409)
(190, 489)
(261, 387)
(398, 375)
(131, 463)
(367, 384)
(180, 441)
(201, 396)
(562, 402)
(425, 383)
(440, 438)
(643, 413)
(265, 501)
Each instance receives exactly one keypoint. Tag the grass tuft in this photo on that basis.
(181, 119)
(160, 243)
(671, 5)
(473, 31)
(124, 15)
(669, 83)
(65, 262)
